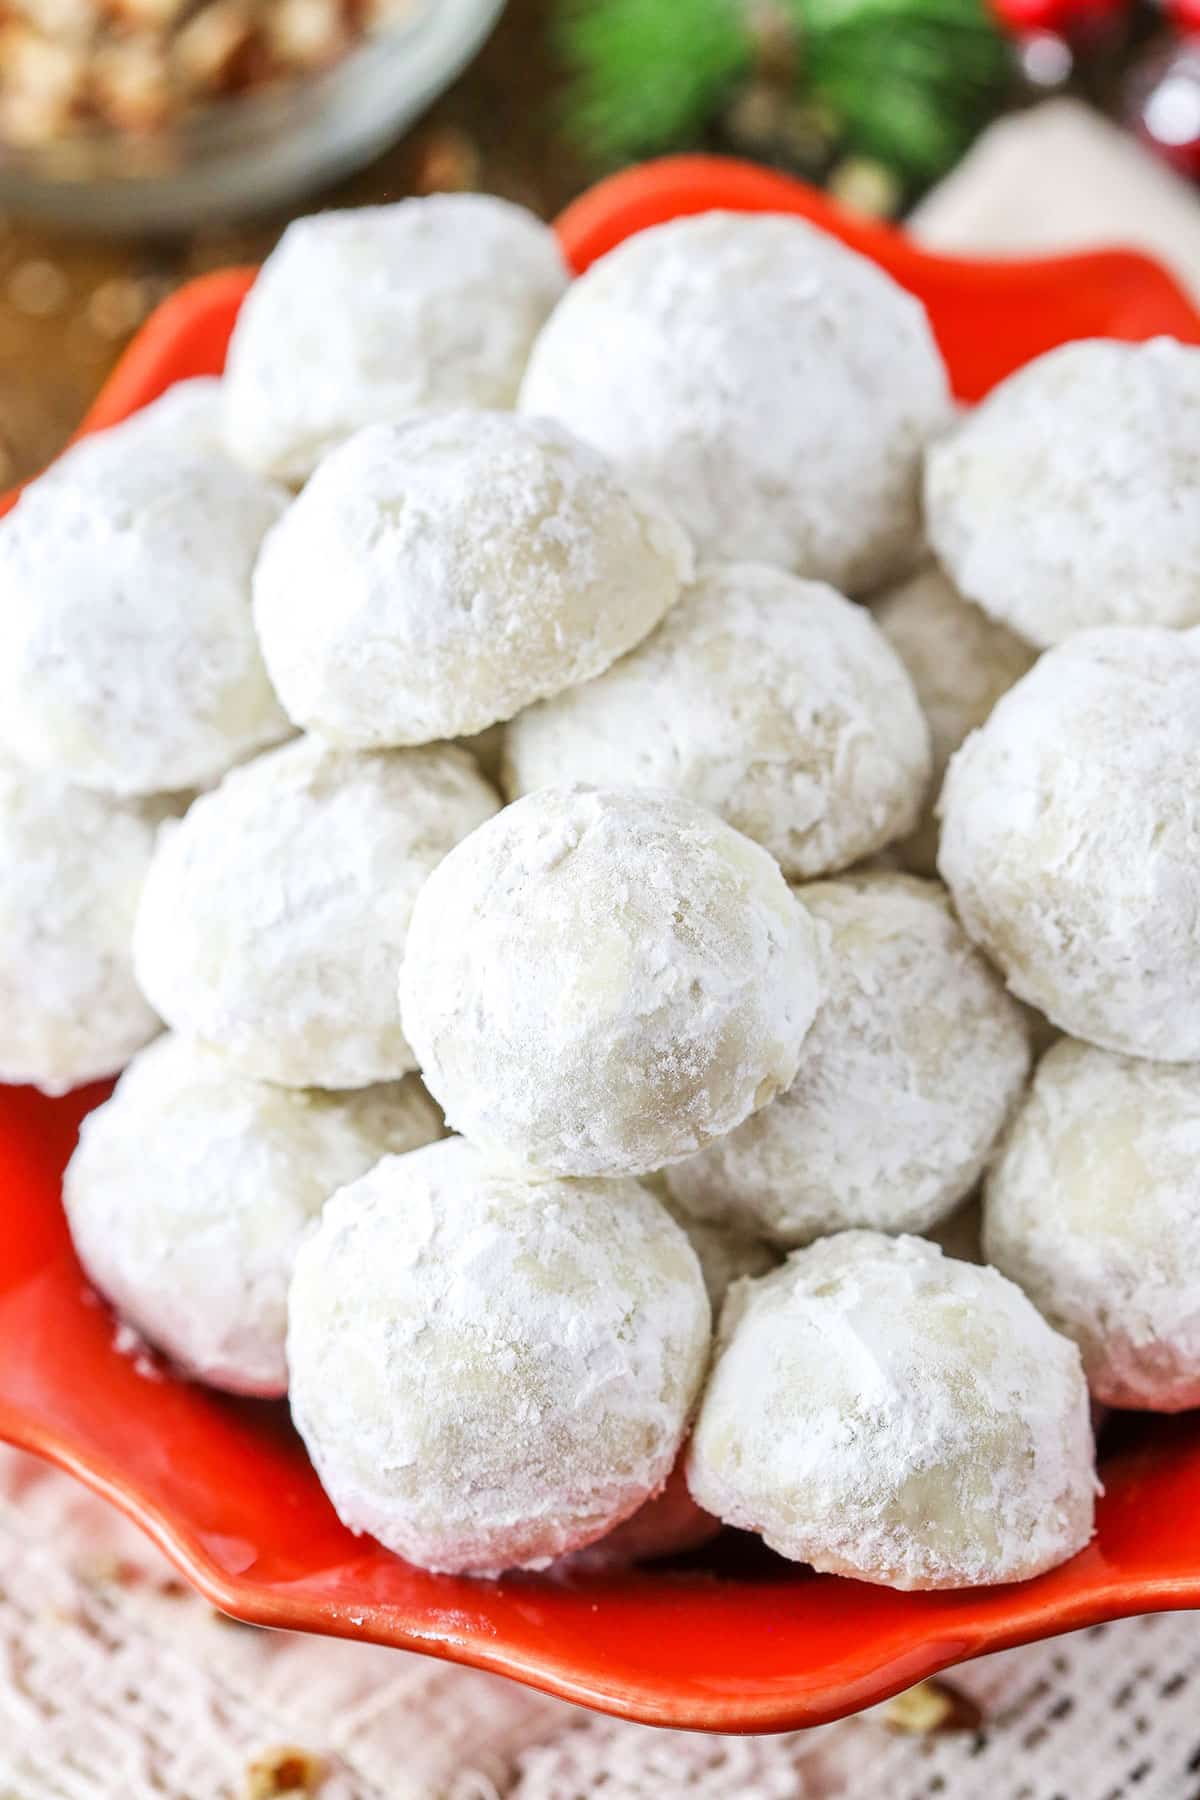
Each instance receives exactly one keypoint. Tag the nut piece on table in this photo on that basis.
(932, 1706)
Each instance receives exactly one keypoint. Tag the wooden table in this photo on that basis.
(69, 304)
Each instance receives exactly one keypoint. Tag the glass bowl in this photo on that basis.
(250, 153)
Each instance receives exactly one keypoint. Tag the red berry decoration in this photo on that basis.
(1068, 19)
(1184, 15)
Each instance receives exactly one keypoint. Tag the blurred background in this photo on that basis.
(143, 141)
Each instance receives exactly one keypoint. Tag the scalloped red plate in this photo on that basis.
(729, 1640)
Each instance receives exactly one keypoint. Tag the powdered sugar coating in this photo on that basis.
(959, 662)
(771, 700)
(774, 387)
(365, 317)
(1093, 1209)
(915, 1061)
(192, 1187)
(274, 916)
(188, 416)
(128, 660)
(1071, 497)
(72, 864)
(599, 981)
(1071, 839)
(437, 576)
(880, 1411)
(487, 1373)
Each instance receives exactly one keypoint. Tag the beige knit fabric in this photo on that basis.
(118, 1684)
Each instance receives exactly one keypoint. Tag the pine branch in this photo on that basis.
(911, 81)
(908, 82)
(649, 75)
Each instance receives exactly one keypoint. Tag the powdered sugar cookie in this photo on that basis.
(915, 1060)
(1093, 1209)
(189, 416)
(365, 317)
(274, 917)
(438, 576)
(72, 864)
(723, 360)
(1069, 831)
(191, 1189)
(880, 1411)
(128, 660)
(1070, 498)
(489, 1374)
(771, 700)
(600, 981)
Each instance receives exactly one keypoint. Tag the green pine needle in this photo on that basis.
(909, 82)
(649, 75)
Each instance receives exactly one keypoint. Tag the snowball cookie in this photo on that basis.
(438, 576)
(1069, 831)
(189, 416)
(367, 316)
(775, 388)
(597, 982)
(490, 1373)
(880, 1411)
(960, 662)
(1071, 496)
(191, 1189)
(1094, 1210)
(72, 864)
(905, 1081)
(772, 700)
(128, 660)
(274, 916)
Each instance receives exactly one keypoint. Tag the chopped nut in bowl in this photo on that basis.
(136, 114)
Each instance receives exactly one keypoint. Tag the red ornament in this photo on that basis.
(1184, 15)
(1071, 20)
